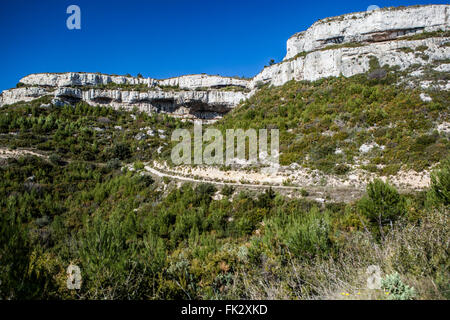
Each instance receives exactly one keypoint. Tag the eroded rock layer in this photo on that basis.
(370, 26)
(411, 39)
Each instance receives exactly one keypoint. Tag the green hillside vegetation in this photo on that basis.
(133, 242)
(317, 118)
(83, 132)
(137, 238)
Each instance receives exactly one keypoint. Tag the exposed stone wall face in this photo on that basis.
(351, 61)
(371, 26)
(377, 34)
(80, 79)
(190, 82)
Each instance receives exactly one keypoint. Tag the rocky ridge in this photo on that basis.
(412, 39)
(370, 27)
(195, 96)
(349, 61)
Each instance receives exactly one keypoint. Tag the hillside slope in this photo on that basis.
(85, 176)
(335, 123)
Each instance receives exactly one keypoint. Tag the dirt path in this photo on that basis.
(320, 194)
(250, 181)
(6, 153)
(293, 179)
(162, 174)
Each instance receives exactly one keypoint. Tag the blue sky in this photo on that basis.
(158, 38)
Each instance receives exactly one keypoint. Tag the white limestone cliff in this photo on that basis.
(220, 99)
(22, 94)
(190, 82)
(355, 60)
(202, 104)
(80, 79)
(195, 81)
(355, 39)
(370, 26)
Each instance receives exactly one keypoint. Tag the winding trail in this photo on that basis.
(235, 184)
(343, 194)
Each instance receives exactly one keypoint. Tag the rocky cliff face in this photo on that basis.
(80, 79)
(188, 82)
(196, 104)
(413, 39)
(396, 37)
(207, 104)
(370, 26)
(195, 96)
(349, 61)
(196, 81)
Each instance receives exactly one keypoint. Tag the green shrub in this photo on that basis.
(121, 151)
(341, 169)
(146, 180)
(87, 155)
(374, 63)
(265, 200)
(440, 185)
(227, 191)
(305, 234)
(396, 289)
(55, 159)
(405, 49)
(382, 205)
(304, 192)
(113, 164)
(422, 48)
(139, 165)
(204, 192)
(114, 264)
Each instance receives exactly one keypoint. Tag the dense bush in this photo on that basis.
(440, 185)
(396, 289)
(382, 206)
(305, 235)
(82, 132)
(121, 151)
(115, 262)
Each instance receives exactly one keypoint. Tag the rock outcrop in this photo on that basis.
(370, 26)
(414, 39)
(208, 104)
(349, 61)
(196, 81)
(198, 104)
(196, 96)
(71, 79)
(22, 94)
(80, 79)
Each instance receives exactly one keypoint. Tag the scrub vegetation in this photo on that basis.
(134, 237)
